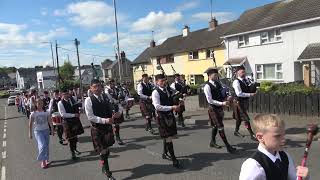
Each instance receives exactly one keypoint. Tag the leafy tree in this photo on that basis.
(66, 71)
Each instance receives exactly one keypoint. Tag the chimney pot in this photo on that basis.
(185, 31)
(213, 24)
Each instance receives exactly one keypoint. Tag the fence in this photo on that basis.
(296, 104)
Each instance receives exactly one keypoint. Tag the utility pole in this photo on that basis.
(54, 69)
(118, 48)
(77, 43)
(58, 63)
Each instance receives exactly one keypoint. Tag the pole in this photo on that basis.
(118, 48)
(58, 63)
(54, 69)
(76, 42)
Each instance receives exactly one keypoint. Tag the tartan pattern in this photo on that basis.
(102, 138)
(147, 109)
(216, 116)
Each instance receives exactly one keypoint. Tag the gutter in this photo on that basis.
(273, 27)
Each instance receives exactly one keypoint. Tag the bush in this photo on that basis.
(194, 89)
(287, 89)
(4, 95)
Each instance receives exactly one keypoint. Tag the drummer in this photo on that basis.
(55, 115)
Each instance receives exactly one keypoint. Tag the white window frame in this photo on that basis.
(275, 72)
(277, 38)
(243, 42)
(211, 53)
(192, 79)
(191, 55)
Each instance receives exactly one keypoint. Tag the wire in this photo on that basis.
(88, 54)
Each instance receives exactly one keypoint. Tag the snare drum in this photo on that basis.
(56, 118)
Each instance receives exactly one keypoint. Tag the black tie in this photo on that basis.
(278, 163)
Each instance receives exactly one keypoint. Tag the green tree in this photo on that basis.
(66, 71)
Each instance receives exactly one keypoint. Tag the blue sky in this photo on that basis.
(26, 25)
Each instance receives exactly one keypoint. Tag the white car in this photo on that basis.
(11, 100)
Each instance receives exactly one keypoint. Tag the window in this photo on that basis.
(243, 40)
(193, 55)
(270, 36)
(269, 71)
(165, 59)
(210, 53)
(196, 79)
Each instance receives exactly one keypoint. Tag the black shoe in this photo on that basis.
(253, 137)
(111, 178)
(127, 116)
(119, 141)
(236, 133)
(166, 156)
(74, 157)
(179, 123)
(151, 131)
(77, 152)
(63, 143)
(176, 164)
(231, 149)
(215, 145)
(183, 125)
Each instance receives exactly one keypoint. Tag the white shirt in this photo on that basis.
(237, 88)
(156, 101)
(63, 112)
(252, 170)
(89, 112)
(40, 120)
(173, 85)
(50, 105)
(207, 92)
(139, 91)
(114, 101)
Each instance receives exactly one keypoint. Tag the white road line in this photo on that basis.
(4, 135)
(4, 143)
(4, 154)
(5, 126)
(3, 173)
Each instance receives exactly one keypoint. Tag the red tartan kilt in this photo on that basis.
(166, 125)
(128, 105)
(102, 138)
(216, 116)
(72, 127)
(119, 120)
(146, 108)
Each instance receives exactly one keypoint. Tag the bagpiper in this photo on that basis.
(213, 92)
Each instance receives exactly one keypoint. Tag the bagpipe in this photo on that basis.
(312, 130)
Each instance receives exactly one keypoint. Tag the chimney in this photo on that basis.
(152, 44)
(185, 31)
(213, 24)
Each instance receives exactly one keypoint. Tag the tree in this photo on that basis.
(66, 71)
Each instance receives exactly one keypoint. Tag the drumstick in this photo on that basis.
(312, 131)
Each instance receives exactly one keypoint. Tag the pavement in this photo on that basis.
(141, 158)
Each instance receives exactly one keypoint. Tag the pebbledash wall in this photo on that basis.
(295, 39)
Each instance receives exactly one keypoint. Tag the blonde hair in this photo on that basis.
(38, 103)
(263, 122)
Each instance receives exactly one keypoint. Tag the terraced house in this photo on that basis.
(190, 53)
(280, 41)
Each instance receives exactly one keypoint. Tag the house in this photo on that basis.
(26, 78)
(190, 53)
(276, 41)
(110, 69)
(46, 78)
(87, 73)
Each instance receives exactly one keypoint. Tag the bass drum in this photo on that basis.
(56, 118)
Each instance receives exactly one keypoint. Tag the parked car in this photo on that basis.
(11, 100)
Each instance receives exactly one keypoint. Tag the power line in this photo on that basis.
(88, 54)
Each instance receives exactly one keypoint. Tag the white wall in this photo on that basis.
(294, 41)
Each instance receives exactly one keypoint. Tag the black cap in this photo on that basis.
(144, 75)
(160, 76)
(95, 81)
(177, 75)
(211, 71)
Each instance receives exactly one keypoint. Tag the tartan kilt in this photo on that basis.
(119, 120)
(240, 110)
(146, 108)
(72, 127)
(166, 124)
(216, 116)
(102, 137)
(128, 105)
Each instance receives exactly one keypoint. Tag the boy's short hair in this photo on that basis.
(263, 122)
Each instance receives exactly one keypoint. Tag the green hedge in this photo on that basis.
(287, 89)
(4, 95)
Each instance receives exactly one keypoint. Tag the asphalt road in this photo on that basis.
(140, 158)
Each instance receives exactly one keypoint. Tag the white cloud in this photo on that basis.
(187, 6)
(100, 38)
(91, 14)
(220, 16)
(59, 12)
(154, 21)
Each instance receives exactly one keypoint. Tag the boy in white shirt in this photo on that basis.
(270, 162)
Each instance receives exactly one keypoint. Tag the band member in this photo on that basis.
(100, 113)
(114, 95)
(46, 100)
(240, 110)
(72, 126)
(33, 97)
(213, 92)
(144, 90)
(55, 116)
(181, 93)
(128, 101)
(26, 101)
